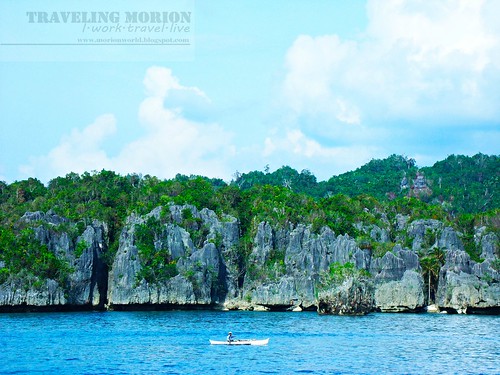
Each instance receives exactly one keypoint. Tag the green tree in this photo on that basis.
(157, 264)
(431, 265)
(23, 253)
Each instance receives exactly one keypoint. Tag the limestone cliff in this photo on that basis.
(200, 278)
(182, 257)
(86, 283)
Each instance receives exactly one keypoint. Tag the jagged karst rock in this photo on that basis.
(231, 275)
(379, 234)
(449, 240)
(488, 243)
(264, 243)
(424, 233)
(398, 283)
(13, 294)
(394, 264)
(87, 281)
(463, 293)
(281, 272)
(49, 217)
(304, 255)
(401, 222)
(431, 233)
(466, 286)
(202, 276)
(278, 293)
(353, 297)
(123, 288)
(405, 295)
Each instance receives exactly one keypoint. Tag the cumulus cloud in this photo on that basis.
(79, 151)
(417, 64)
(313, 65)
(447, 50)
(175, 144)
(170, 144)
(401, 86)
(295, 148)
(416, 58)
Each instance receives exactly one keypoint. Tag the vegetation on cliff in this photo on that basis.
(460, 184)
(460, 191)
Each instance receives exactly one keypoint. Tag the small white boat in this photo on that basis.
(241, 342)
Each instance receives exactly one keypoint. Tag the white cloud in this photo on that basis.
(159, 82)
(174, 144)
(303, 152)
(313, 65)
(443, 47)
(171, 142)
(77, 152)
(341, 103)
(416, 58)
(418, 64)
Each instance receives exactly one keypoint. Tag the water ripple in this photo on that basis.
(176, 342)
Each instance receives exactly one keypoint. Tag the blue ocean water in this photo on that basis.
(176, 342)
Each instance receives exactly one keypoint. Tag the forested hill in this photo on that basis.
(458, 185)
(459, 189)
(461, 184)
(386, 205)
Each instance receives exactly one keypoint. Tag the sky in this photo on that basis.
(323, 85)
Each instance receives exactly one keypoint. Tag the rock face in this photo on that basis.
(466, 286)
(289, 263)
(279, 269)
(353, 297)
(393, 265)
(488, 243)
(202, 278)
(86, 285)
(306, 256)
(14, 296)
(405, 295)
(398, 283)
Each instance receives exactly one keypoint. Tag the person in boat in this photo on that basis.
(230, 337)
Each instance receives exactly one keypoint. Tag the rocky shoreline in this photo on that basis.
(282, 269)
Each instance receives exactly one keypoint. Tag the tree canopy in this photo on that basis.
(460, 190)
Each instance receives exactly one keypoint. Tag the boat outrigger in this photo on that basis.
(241, 342)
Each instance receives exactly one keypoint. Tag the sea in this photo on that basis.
(177, 342)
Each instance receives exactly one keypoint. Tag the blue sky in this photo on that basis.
(318, 85)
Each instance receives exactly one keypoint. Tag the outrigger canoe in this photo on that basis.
(240, 342)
